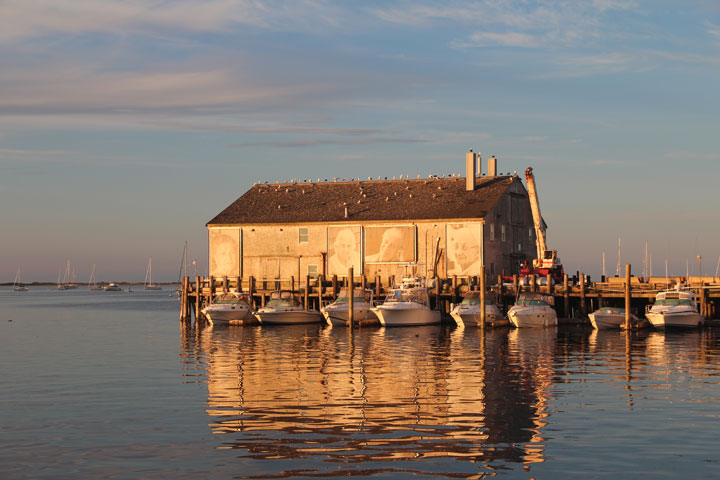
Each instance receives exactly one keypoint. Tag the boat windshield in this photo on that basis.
(282, 299)
(529, 302)
(534, 299)
(359, 296)
(672, 302)
(226, 299)
(473, 298)
(413, 295)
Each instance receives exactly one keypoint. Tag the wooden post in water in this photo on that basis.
(549, 284)
(198, 290)
(482, 298)
(212, 288)
(292, 283)
(437, 293)
(501, 297)
(251, 289)
(321, 290)
(334, 287)
(238, 284)
(516, 284)
(225, 283)
(566, 296)
(533, 284)
(363, 282)
(184, 299)
(377, 286)
(307, 292)
(351, 294)
(454, 289)
(583, 309)
(627, 296)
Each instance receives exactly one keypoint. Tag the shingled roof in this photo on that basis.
(384, 200)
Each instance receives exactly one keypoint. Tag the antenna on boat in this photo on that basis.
(617, 270)
(667, 283)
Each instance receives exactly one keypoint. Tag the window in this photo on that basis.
(530, 230)
(492, 232)
(303, 235)
(519, 247)
(502, 232)
(313, 271)
(492, 269)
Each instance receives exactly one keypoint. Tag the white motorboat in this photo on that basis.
(112, 287)
(407, 305)
(231, 307)
(284, 308)
(533, 310)
(610, 318)
(674, 308)
(338, 312)
(17, 285)
(467, 313)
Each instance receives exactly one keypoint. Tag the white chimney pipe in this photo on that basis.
(492, 166)
(470, 159)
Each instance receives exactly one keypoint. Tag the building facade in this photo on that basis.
(445, 226)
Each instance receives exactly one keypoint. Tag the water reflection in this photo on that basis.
(341, 401)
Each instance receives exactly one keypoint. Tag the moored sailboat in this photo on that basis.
(17, 286)
(148, 278)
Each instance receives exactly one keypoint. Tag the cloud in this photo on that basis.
(35, 18)
(693, 156)
(314, 142)
(512, 39)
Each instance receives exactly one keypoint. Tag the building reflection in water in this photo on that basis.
(337, 401)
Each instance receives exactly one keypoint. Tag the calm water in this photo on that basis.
(108, 385)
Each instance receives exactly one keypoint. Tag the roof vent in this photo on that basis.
(470, 165)
(492, 166)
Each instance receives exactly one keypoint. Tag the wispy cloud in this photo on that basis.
(314, 142)
(32, 18)
(693, 156)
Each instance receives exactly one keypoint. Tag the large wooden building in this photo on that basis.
(444, 225)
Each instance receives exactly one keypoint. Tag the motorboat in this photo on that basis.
(230, 307)
(610, 318)
(284, 308)
(674, 308)
(467, 313)
(407, 305)
(112, 287)
(533, 310)
(338, 312)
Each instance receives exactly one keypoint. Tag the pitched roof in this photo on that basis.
(384, 200)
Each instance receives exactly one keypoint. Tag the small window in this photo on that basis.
(502, 232)
(313, 271)
(303, 235)
(492, 232)
(530, 230)
(492, 269)
(519, 247)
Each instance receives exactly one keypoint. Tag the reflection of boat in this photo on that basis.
(231, 307)
(407, 305)
(533, 310)
(17, 286)
(610, 317)
(674, 308)
(284, 308)
(112, 287)
(148, 278)
(467, 312)
(337, 313)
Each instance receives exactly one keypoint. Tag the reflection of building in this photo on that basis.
(329, 398)
(304, 228)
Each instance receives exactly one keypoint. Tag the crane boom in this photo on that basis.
(537, 218)
(547, 261)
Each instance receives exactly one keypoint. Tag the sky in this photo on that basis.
(126, 125)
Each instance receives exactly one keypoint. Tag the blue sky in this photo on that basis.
(126, 125)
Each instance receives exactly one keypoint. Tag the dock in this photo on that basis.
(575, 297)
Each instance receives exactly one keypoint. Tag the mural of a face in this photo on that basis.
(224, 260)
(464, 250)
(344, 246)
(391, 247)
(343, 249)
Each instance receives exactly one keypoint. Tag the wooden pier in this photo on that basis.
(574, 298)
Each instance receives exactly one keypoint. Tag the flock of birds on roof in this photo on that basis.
(337, 179)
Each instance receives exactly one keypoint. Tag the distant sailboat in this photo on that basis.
(148, 278)
(17, 286)
(68, 281)
(92, 283)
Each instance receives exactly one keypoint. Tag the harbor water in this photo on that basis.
(111, 385)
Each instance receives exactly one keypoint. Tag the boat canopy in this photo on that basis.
(533, 298)
(282, 299)
(473, 298)
(416, 295)
(230, 297)
(358, 295)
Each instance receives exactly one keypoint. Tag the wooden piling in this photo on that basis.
(334, 287)
(516, 285)
(454, 289)
(627, 297)
(549, 281)
(307, 292)
(363, 282)
(437, 293)
(351, 294)
(251, 289)
(321, 290)
(198, 291)
(225, 284)
(184, 299)
(533, 284)
(566, 296)
(583, 309)
(238, 284)
(377, 286)
(292, 283)
(482, 298)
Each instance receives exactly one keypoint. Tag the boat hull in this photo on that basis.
(534, 317)
(288, 317)
(230, 314)
(339, 315)
(406, 316)
(674, 320)
(607, 321)
(470, 317)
